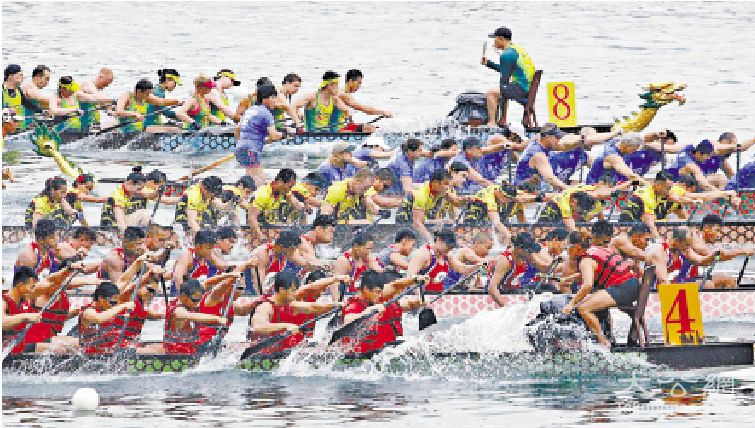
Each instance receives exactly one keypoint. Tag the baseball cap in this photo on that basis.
(518, 129)
(526, 242)
(704, 147)
(11, 69)
(471, 142)
(501, 32)
(228, 73)
(446, 235)
(288, 239)
(341, 147)
(213, 184)
(551, 129)
(315, 179)
(266, 91)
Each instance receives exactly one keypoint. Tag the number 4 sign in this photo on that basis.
(562, 108)
(680, 314)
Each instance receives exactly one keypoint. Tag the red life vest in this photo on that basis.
(356, 271)
(433, 270)
(393, 327)
(612, 269)
(275, 264)
(15, 309)
(179, 340)
(673, 261)
(377, 331)
(98, 339)
(52, 321)
(135, 322)
(281, 314)
(208, 331)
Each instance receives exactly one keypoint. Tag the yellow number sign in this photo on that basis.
(562, 108)
(680, 314)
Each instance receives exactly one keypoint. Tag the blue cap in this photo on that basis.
(704, 147)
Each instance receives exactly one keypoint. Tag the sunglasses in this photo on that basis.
(195, 299)
(112, 302)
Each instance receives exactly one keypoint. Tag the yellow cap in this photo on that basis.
(73, 86)
(175, 79)
(328, 82)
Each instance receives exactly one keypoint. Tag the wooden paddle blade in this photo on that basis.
(427, 318)
(262, 345)
(349, 329)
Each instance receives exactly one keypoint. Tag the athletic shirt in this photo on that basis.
(52, 320)
(179, 340)
(708, 167)
(45, 206)
(564, 164)
(673, 259)
(744, 179)
(275, 263)
(217, 112)
(210, 330)
(322, 118)
(375, 333)
(135, 322)
(100, 338)
(515, 64)
(200, 114)
(356, 271)
(492, 165)
(433, 269)
(141, 108)
(519, 274)
(201, 269)
(119, 198)
(72, 123)
(14, 308)
(612, 269)
(598, 172)
(523, 169)
(281, 314)
(642, 160)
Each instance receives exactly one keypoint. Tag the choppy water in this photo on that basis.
(416, 58)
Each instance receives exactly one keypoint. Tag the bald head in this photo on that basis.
(104, 78)
(482, 238)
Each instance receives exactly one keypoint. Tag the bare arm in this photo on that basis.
(501, 268)
(261, 320)
(93, 317)
(543, 167)
(418, 221)
(587, 269)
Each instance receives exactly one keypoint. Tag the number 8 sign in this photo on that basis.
(562, 109)
(680, 314)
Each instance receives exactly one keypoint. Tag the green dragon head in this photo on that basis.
(660, 94)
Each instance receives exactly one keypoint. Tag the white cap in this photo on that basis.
(376, 141)
(518, 129)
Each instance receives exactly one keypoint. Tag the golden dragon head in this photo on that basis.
(656, 95)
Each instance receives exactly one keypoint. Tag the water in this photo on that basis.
(416, 58)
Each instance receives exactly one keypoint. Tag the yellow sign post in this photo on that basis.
(680, 314)
(562, 107)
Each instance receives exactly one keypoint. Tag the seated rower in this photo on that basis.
(31, 98)
(703, 163)
(670, 256)
(195, 110)
(307, 190)
(471, 157)
(133, 107)
(266, 207)
(555, 243)
(684, 192)
(372, 150)
(476, 253)
(235, 196)
(340, 165)
(704, 243)
(379, 196)
(632, 245)
(17, 312)
(81, 191)
(516, 268)
(156, 180)
(42, 254)
(321, 233)
(498, 155)
(51, 204)
(744, 179)
(353, 83)
(533, 164)
(322, 109)
(279, 313)
(566, 163)
(611, 166)
(430, 201)
(433, 260)
(385, 326)
(396, 256)
(439, 157)
(123, 208)
(141, 313)
(191, 319)
(118, 259)
(199, 262)
(99, 323)
(217, 98)
(315, 283)
(357, 259)
(614, 281)
(346, 199)
(168, 79)
(582, 202)
(497, 203)
(643, 202)
(403, 165)
(71, 101)
(195, 209)
(282, 103)
(94, 88)
(279, 255)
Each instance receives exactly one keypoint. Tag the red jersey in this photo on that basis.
(281, 314)
(436, 266)
(14, 309)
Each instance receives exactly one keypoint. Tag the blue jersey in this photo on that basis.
(425, 168)
(710, 166)
(523, 170)
(565, 164)
(469, 186)
(253, 127)
(745, 178)
(642, 160)
(492, 165)
(333, 173)
(597, 170)
(401, 167)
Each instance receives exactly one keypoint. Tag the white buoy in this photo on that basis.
(85, 399)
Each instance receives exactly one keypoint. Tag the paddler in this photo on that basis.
(81, 191)
(268, 199)
(308, 189)
(433, 260)
(322, 230)
(340, 165)
(322, 109)
(354, 79)
(156, 180)
(566, 163)
(471, 157)
(99, 322)
(744, 179)
(194, 210)
(582, 202)
(133, 106)
(517, 267)
(17, 312)
(684, 192)
(403, 165)
(372, 150)
(14, 98)
(641, 205)
(612, 277)
(497, 203)
(533, 164)
(569, 270)
(195, 110)
(396, 256)
(123, 208)
(280, 312)
(278, 255)
(168, 79)
(632, 244)
(705, 242)
(702, 163)
(439, 157)
(92, 88)
(198, 262)
(257, 127)
(357, 259)
(611, 167)
(516, 69)
(40, 254)
(218, 99)
(238, 195)
(476, 253)
(51, 204)
(282, 106)
(32, 90)
(497, 155)
(118, 259)
(79, 106)
(346, 199)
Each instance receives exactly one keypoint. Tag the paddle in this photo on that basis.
(122, 124)
(352, 328)
(128, 316)
(217, 340)
(742, 271)
(336, 320)
(49, 303)
(736, 175)
(709, 271)
(427, 315)
(273, 340)
(208, 167)
(548, 275)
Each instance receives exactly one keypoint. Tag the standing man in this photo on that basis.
(256, 127)
(353, 83)
(516, 68)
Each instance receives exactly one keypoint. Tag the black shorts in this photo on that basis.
(625, 293)
(513, 91)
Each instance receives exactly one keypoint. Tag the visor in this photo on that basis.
(231, 76)
(73, 86)
(328, 82)
(175, 79)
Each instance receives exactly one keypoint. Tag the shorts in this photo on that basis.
(247, 157)
(513, 91)
(625, 293)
